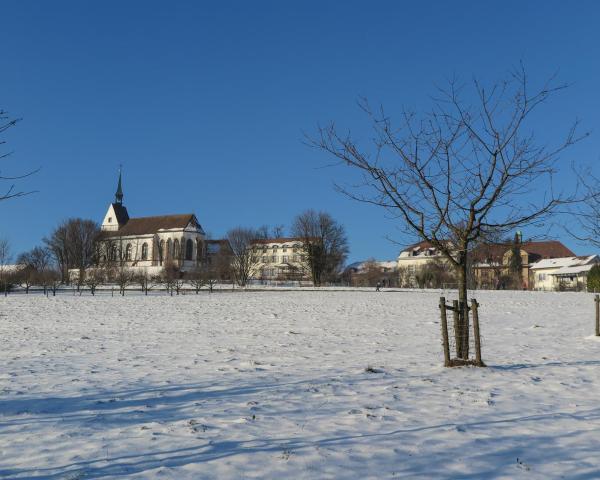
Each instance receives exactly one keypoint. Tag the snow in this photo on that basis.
(572, 270)
(563, 262)
(295, 384)
(360, 266)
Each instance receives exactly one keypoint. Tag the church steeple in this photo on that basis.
(117, 215)
(119, 194)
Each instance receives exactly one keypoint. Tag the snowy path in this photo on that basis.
(274, 385)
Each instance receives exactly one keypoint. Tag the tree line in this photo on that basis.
(74, 253)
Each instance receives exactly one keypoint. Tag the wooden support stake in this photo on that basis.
(445, 340)
(474, 308)
(457, 338)
(597, 300)
(464, 328)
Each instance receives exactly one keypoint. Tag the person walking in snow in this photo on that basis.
(377, 287)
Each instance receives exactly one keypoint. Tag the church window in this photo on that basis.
(198, 250)
(169, 249)
(145, 251)
(189, 249)
(162, 252)
(109, 219)
(176, 249)
(113, 253)
(128, 252)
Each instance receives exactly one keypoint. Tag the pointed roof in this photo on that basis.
(121, 213)
(119, 193)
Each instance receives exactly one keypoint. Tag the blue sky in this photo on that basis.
(205, 103)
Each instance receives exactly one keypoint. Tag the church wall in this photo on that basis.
(110, 220)
(152, 241)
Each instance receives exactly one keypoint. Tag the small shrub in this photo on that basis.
(593, 279)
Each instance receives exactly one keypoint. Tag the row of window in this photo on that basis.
(168, 250)
(285, 248)
(283, 258)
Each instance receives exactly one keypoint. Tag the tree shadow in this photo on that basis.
(521, 366)
(493, 455)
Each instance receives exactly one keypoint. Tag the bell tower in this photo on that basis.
(117, 215)
(119, 193)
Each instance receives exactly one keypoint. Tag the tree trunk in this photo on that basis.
(463, 317)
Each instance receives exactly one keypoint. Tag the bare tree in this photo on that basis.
(461, 170)
(171, 277)
(11, 191)
(26, 277)
(145, 280)
(5, 259)
(244, 257)
(73, 245)
(587, 212)
(54, 280)
(324, 244)
(404, 277)
(197, 278)
(123, 277)
(36, 263)
(370, 274)
(94, 277)
(214, 266)
(264, 232)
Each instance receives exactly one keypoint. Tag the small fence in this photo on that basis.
(458, 340)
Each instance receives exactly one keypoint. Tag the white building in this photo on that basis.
(566, 273)
(280, 259)
(414, 258)
(150, 242)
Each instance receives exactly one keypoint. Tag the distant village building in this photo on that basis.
(568, 273)
(281, 259)
(372, 272)
(491, 264)
(147, 242)
(417, 257)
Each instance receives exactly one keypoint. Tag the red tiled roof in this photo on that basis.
(536, 250)
(422, 245)
(546, 249)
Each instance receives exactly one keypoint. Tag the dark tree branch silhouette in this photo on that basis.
(11, 191)
(460, 171)
(587, 212)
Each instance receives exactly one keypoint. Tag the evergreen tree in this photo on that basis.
(515, 264)
(593, 279)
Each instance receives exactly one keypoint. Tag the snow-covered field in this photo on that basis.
(275, 385)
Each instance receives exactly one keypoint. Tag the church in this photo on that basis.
(147, 242)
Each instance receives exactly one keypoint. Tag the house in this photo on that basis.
(492, 262)
(567, 273)
(414, 259)
(149, 242)
(280, 258)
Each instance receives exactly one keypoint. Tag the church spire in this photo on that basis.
(119, 194)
